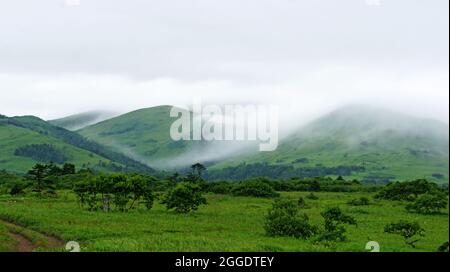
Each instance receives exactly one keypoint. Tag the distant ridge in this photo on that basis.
(81, 120)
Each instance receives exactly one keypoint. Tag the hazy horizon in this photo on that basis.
(308, 57)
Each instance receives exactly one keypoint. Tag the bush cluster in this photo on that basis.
(115, 192)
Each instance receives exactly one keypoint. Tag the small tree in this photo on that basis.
(184, 198)
(197, 170)
(284, 220)
(408, 230)
(39, 176)
(408, 190)
(68, 169)
(428, 204)
(334, 219)
(141, 188)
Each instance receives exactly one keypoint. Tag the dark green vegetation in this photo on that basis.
(428, 204)
(408, 230)
(184, 198)
(124, 192)
(284, 219)
(131, 212)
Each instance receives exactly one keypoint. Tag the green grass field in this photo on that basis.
(226, 224)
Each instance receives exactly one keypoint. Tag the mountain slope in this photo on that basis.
(34, 135)
(13, 138)
(145, 136)
(367, 143)
(387, 145)
(82, 120)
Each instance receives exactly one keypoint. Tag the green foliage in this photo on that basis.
(428, 204)
(220, 187)
(42, 153)
(121, 190)
(408, 190)
(408, 230)
(68, 169)
(17, 189)
(362, 201)
(247, 171)
(334, 219)
(312, 196)
(443, 247)
(41, 180)
(254, 188)
(184, 198)
(197, 170)
(284, 220)
(301, 203)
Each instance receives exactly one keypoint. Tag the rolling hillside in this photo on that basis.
(145, 136)
(378, 144)
(28, 139)
(367, 143)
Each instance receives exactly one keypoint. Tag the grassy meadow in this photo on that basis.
(227, 223)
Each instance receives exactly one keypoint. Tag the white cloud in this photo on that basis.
(307, 56)
(423, 93)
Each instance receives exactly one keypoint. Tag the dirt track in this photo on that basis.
(24, 243)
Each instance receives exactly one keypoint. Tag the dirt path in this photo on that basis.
(25, 243)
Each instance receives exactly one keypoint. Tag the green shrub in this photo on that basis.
(428, 204)
(312, 196)
(362, 201)
(254, 188)
(121, 190)
(301, 202)
(221, 187)
(184, 198)
(408, 230)
(443, 247)
(284, 220)
(17, 189)
(334, 219)
(408, 190)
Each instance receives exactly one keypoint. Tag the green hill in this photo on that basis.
(13, 138)
(143, 135)
(28, 139)
(367, 143)
(361, 142)
(79, 121)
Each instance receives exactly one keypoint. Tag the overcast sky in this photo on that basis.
(60, 57)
